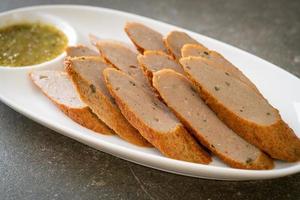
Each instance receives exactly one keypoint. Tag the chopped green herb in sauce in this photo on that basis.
(30, 43)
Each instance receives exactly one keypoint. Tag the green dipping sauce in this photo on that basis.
(30, 43)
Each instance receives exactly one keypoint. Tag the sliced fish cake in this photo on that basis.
(80, 50)
(144, 38)
(243, 110)
(194, 50)
(57, 86)
(215, 59)
(86, 74)
(175, 40)
(153, 119)
(122, 58)
(178, 93)
(153, 61)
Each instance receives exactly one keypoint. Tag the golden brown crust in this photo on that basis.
(104, 109)
(278, 140)
(86, 118)
(177, 144)
(158, 53)
(186, 50)
(82, 116)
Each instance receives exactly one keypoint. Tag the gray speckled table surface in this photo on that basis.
(38, 163)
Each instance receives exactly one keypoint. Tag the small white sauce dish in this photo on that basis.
(43, 18)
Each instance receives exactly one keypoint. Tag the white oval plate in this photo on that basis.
(277, 85)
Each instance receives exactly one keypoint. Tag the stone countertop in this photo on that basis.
(38, 163)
